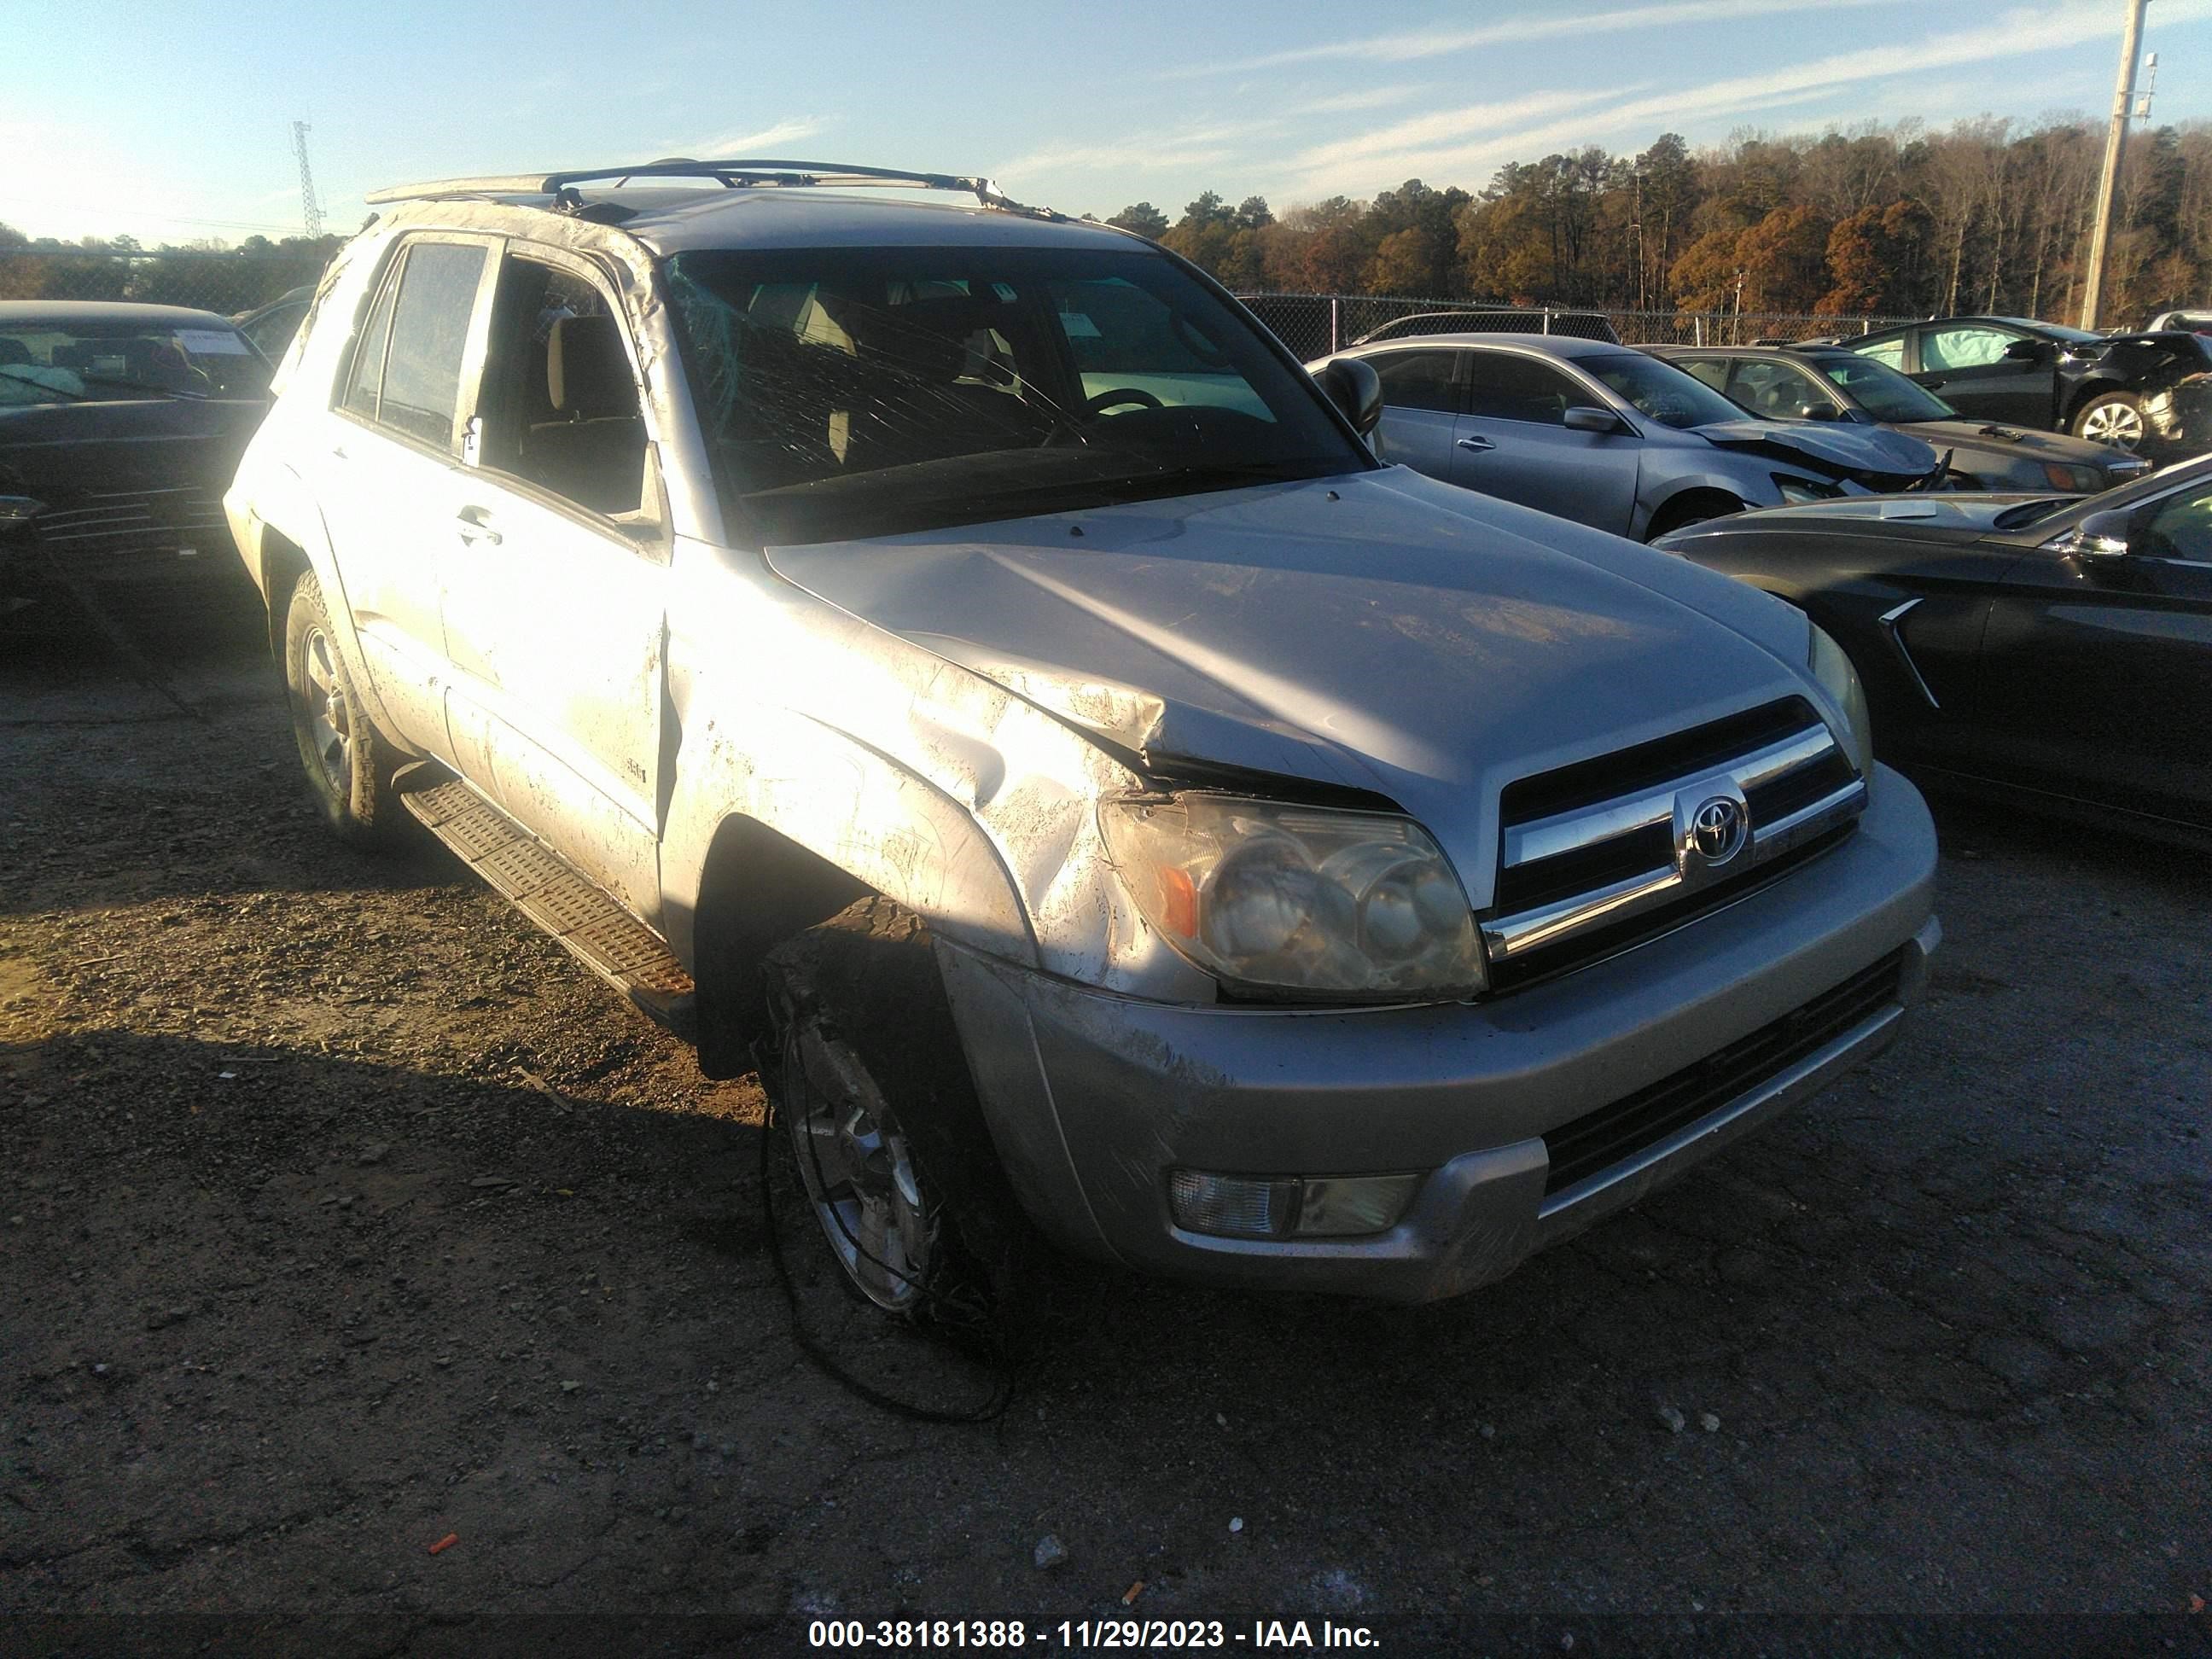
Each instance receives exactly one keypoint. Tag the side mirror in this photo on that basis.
(1582, 417)
(1822, 411)
(2029, 351)
(2099, 536)
(1355, 388)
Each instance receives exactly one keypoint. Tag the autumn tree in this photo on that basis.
(1143, 218)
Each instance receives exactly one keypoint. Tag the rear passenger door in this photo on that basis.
(557, 559)
(1421, 402)
(388, 474)
(1513, 443)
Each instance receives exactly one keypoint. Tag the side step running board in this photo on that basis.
(549, 890)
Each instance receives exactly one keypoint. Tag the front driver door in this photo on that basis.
(1514, 442)
(2098, 667)
(1965, 363)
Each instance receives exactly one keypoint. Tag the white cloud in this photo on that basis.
(1548, 25)
(1415, 146)
(1188, 146)
(1373, 98)
(1411, 135)
(747, 146)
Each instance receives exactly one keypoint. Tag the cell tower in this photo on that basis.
(310, 208)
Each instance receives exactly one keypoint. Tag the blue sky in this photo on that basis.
(172, 122)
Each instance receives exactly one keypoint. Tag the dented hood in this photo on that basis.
(1869, 454)
(1381, 632)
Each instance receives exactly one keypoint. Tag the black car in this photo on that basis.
(271, 327)
(1828, 383)
(2041, 374)
(120, 426)
(2054, 648)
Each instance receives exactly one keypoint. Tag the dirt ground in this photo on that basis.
(343, 1213)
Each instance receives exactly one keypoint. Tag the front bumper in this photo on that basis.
(1092, 1098)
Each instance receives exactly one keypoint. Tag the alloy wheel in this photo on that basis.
(857, 1169)
(2116, 423)
(329, 720)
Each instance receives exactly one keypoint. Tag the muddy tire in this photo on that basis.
(347, 762)
(2110, 417)
(871, 1093)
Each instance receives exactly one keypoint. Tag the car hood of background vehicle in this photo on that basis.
(1995, 437)
(1379, 631)
(58, 451)
(1950, 516)
(1836, 448)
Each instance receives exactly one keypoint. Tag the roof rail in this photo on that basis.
(731, 174)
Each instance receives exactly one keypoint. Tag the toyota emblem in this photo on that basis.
(1717, 829)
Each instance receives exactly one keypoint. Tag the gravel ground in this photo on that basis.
(344, 1214)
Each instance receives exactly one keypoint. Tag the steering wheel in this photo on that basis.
(1117, 396)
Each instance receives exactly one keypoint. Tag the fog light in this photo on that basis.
(1343, 1204)
(1236, 1206)
(1253, 1207)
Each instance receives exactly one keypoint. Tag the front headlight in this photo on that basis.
(1797, 491)
(1300, 901)
(1834, 670)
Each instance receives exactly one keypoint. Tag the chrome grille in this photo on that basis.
(137, 521)
(1599, 854)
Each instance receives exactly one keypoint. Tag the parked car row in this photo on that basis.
(1609, 436)
(1828, 383)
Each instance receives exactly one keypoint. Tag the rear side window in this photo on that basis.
(368, 355)
(1418, 379)
(1713, 371)
(406, 371)
(429, 330)
(1891, 352)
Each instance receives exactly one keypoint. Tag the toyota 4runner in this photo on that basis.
(951, 657)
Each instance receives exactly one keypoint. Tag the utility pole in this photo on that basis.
(2115, 142)
(310, 208)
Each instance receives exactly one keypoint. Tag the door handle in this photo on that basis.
(474, 526)
(1474, 445)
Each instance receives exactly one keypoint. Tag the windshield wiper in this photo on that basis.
(2027, 512)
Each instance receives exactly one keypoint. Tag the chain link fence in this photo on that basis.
(226, 283)
(1313, 325)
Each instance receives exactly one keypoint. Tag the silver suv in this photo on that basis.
(950, 656)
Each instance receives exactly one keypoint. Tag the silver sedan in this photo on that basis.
(1603, 434)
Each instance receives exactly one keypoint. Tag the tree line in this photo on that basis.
(1991, 215)
(209, 276)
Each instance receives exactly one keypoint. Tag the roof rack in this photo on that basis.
(731, 174)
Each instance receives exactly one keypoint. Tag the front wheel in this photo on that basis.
(2110, 417)
(867, 1077)
(348, 763)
